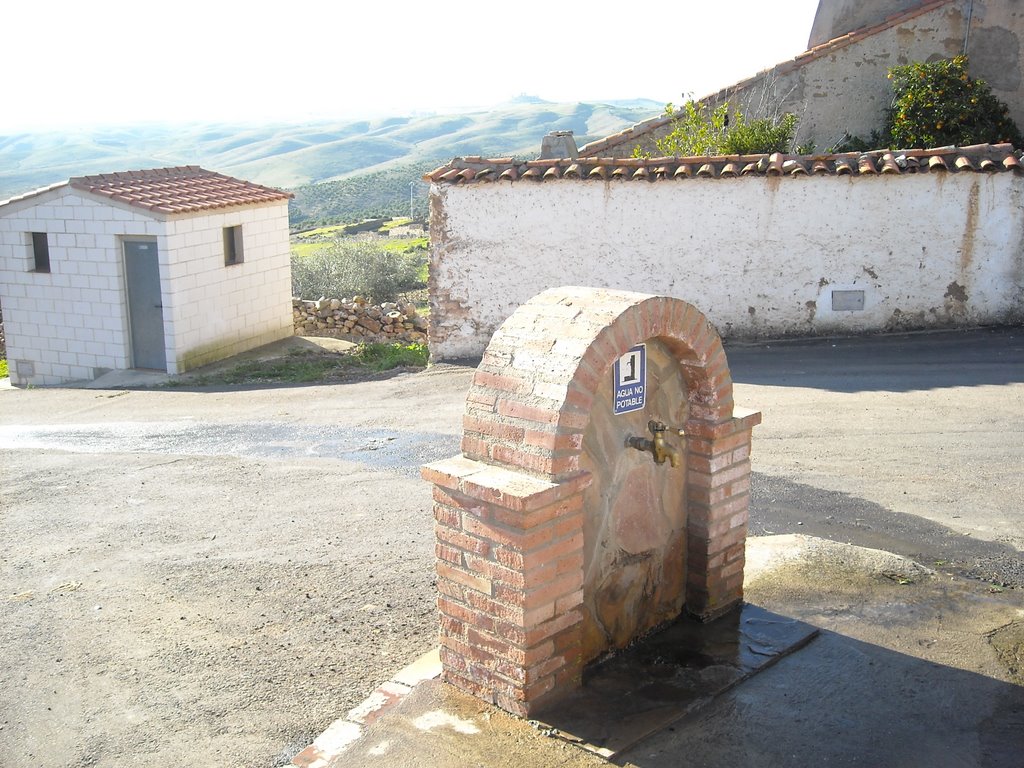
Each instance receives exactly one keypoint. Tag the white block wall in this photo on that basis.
(214, 311)
(761, 257)
(71, 324)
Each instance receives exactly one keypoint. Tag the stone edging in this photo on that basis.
(344, 731)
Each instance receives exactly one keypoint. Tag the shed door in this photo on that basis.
(145, 307)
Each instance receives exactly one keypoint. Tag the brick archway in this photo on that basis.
(510, 511)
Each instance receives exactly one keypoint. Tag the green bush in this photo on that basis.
(696, 130)
(356, 268)
(937, 104)
(762, 136)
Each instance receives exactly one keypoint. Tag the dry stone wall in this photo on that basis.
(357, 320)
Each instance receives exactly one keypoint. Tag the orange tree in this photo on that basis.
(937, 104)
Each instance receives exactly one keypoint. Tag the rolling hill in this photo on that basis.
(339, 170)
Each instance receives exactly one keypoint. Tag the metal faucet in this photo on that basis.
(657, 447)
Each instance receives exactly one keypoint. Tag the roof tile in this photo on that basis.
(181, 189)
(982, 158)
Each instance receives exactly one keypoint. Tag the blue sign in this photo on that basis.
(630, 380)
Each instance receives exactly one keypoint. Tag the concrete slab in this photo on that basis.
(670, 674)
(910, 668)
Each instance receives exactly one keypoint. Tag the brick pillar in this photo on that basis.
(718, 495)
(510, 577)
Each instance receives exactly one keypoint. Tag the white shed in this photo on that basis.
(165, 269)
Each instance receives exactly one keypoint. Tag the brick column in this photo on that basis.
(718, 495)
(510, 577)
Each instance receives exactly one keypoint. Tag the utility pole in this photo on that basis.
(412, 214)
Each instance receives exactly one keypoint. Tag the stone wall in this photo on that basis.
(357, 320)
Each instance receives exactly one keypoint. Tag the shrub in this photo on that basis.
(937, 104)
(696, 130)
(762, 136)
(351, 268)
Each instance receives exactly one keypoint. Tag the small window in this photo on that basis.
(41, 252)
(233, 245)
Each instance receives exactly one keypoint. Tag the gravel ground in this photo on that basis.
(206, 608)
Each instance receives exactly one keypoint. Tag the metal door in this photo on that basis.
(145, 307)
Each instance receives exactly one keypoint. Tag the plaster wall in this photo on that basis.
(70, 323)
(848, 89)
(837, 17)
(761, 256)
(252, 300)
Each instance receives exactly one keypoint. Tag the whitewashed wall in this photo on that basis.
(215, 311)
(760, 256)
(71, 323)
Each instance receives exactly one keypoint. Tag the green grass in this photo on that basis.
(399, 222)
(308, 249)
(386, 357)
(322, 232)
(395, 244)
(405, 244)
(301, 367)
(4, 373)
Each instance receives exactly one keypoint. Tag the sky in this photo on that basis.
(118, 62)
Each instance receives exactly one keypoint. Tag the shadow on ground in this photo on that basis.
(778, 505)
(843, 702)
(890, 363)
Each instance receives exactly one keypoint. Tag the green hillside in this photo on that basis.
(339, 170)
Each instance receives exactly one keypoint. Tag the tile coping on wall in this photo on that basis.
(978, 158)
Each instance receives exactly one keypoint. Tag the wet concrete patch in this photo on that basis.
(1008, 643)
(392, 450)
(670, 674)
(779, 506)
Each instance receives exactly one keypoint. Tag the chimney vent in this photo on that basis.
(558, 145)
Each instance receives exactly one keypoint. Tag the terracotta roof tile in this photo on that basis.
(981, 158)
(866, 165)
(182, 189)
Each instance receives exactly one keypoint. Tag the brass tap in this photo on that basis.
(657, 447)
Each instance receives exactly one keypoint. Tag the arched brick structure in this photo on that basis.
(510, 510)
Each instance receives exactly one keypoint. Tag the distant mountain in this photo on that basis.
(368, 164)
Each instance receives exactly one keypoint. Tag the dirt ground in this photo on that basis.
(168, 595)
(207, 576)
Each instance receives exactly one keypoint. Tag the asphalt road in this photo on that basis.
(910, 443)
(216, 575)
